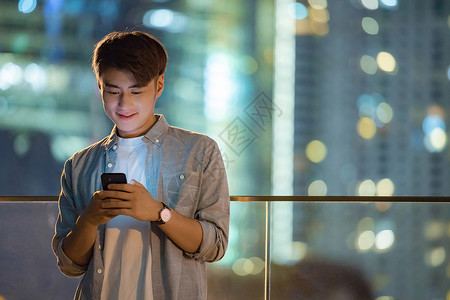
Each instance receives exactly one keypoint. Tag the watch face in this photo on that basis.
(166, 215)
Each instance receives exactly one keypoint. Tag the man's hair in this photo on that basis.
(139, 52)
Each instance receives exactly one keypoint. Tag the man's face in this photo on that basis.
(129, 105)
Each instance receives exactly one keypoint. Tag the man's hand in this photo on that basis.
(94, 213)
(131, 200)
(134, 200)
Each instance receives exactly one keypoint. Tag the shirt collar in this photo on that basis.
(154, 135)
(158, 131)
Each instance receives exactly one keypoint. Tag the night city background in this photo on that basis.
(307, 98)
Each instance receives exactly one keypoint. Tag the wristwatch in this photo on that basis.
(164, 214)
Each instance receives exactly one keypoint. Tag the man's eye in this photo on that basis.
(112, 92)
(136, 92)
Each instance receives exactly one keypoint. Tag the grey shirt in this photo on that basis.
(185, 171)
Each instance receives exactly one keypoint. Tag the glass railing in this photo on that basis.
(385, 248)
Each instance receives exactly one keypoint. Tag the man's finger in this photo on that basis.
(115, 203)
(127, 187)
(117, 194)
(118, 187)
(136, 183)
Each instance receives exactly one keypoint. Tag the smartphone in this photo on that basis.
(108, 178)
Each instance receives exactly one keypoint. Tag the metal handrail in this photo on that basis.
(362, 199)
(424, 199)
(269, 202)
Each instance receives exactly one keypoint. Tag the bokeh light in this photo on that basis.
(242, 266)
(21, 144)
(375, 108)
(437, 140)
(383, 206)
(317, 188)
(436, 110)
(384, 239)
(368, 64)
(58, 79)
(366, 128)
(370, 25)
(384, 112)
(63, 146)
(386, 62)
(248, 266)
(258, 265)
(36, 76)
(319, 28)
(20, 42)
(365, 240)
(316, 151)
(298, 11)
(27, 6)
(434, 127)
(158, 18)
(432, 122)
(389, 3)
(367, 105)
(370, 4)
(312, 19)
(293, 252)
(318, 4)
(10, 75)
(319, 15)
(435, 257)
(299, 251)
(367, 188)
(385, 187)
(165, 19)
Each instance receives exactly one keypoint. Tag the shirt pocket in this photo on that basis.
(181, 190)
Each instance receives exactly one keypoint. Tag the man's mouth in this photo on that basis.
(126, 116)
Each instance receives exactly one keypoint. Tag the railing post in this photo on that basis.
(267, 271)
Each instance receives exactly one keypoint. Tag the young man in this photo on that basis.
(149, 238)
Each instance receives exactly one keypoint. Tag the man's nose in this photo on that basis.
(125, 100)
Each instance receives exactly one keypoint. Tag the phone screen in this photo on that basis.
(108, 178)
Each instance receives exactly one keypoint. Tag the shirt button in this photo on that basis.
(157, 140)
(114, 147)
(100, 247)
(99, 271)
(109, 165)
(181, 176)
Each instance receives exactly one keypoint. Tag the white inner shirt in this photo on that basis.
(127, 253)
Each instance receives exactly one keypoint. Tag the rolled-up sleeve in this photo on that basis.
(213, 211)
(67, 218)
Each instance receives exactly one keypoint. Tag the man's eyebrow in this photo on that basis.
(137, 85)
(107, 84)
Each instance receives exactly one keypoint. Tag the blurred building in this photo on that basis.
(369, 89)
(371, 109)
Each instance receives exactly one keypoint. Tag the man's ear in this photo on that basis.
(160, 84)
(99, 85)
